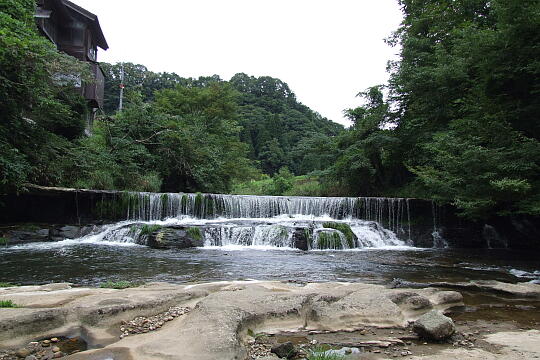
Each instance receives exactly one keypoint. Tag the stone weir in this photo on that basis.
(75, 206)
(419, 222)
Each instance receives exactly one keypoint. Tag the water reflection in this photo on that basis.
(89, 264)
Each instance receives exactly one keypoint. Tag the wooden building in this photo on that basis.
(76, 32)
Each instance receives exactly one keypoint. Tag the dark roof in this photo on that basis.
(93, 21)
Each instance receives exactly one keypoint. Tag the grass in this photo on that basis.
(149, 229)
(319, 353)
(4, 241)
(119, 284)
(195, 233)
(5, 285)
(8, 304)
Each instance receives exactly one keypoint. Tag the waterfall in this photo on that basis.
(259, 235)
(321, 223)
(390, 212)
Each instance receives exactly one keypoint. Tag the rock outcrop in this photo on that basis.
(434, 326)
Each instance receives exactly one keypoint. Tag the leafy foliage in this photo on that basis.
(8, 304)
(466, 90)
(39, 114)
(460, 125)
(279, 131)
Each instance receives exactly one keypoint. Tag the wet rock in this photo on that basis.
(400, 283)
(447, 297)
(417, 303)
(301, 239)
(178, 237)
(22, 353)
(434, 326)
(30, 357)
(410, 300)
(285, 350)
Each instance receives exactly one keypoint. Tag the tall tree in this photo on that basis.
(466, 92)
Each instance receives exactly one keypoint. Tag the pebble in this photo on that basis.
(55, 349)
(142, 324)
(57, 355)
(30, 357)
(54, 339)
(22, 353)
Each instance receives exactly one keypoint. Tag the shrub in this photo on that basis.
(148, 230)
(195, 233)
(7, 304)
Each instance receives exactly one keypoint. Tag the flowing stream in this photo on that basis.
(257, 237)
(337, 223)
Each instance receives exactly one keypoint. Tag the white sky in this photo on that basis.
(327, 51)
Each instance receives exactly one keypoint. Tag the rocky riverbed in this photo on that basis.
(253, 320)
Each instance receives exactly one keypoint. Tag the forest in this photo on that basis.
(457, 122)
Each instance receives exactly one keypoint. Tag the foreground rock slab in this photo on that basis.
(434, 326)
(219, 319)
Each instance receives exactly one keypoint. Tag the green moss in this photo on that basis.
(149, 229)
(31, 227)
(195, 233)
(329, 240)
(116, 207)
(319, 353)
(199, 200)
(208, 206)
(184, 204)
(345, 229)
(119, 284)
(8, 304)
(283, 232)
(4, 241)
(5, 285)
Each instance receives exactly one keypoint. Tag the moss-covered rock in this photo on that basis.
(346, 230)
(177, 237)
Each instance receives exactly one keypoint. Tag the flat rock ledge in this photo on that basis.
(219, 317)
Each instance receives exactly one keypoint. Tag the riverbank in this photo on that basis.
(239, 320)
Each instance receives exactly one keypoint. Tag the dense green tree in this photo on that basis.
(185, 141)
(39, 110)
(466, 93)
(362, 165)
(269, 114)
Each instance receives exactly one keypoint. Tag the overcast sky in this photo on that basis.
(327, 51)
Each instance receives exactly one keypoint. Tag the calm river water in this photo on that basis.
(91, 264)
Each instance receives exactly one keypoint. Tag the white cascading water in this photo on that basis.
(390, 212)
(262, 221)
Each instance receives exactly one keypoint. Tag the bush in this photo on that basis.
(149, 229)
(8, 304)
(195, 233)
